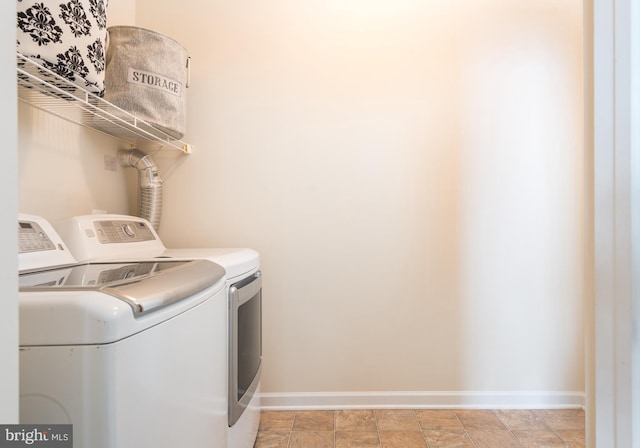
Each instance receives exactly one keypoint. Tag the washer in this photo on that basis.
(86, 238)
(132, 353)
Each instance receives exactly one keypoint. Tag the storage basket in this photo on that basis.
(67, 38)
(147, 75)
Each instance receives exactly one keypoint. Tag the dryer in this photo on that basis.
(131, 353)
(88, 239)
(244, 279)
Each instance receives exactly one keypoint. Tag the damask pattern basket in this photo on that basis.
(66, 37)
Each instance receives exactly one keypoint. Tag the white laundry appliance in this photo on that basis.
(88, 239)
(131, 353)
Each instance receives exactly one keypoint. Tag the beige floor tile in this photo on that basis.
(448, 438)
(521, 419)
(356, 420)
(397, 420)
(493, 439)
(573, 438)
(402, 439)
(314, 421)
(479, 419)
(276, 420)
(357, 439)
(272, 439)
(561, 419)
(311, 439)
(537, 439)
(438, 419)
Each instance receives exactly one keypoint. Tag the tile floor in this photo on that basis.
(422, 428)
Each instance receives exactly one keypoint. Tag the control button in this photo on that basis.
(126, 228)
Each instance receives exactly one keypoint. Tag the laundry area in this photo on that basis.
(301, 206)
(129, 342)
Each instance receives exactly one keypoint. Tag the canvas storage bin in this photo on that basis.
(66, 37)
(147, 75)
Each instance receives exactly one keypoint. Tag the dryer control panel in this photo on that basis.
(109, 236)
(122, 231)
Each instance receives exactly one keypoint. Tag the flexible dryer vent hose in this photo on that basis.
(150, 184)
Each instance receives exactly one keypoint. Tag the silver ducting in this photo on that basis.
(150, 184)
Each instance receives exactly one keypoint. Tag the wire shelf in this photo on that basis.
(46, 90)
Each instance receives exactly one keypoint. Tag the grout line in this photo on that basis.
(293, 422)
(375, 419)
(335, 427)
(507, 427)
(466, 433)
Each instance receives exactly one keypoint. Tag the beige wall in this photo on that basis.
(412, 174)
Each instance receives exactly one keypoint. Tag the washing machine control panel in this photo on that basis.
(39, 245)
(32, 238)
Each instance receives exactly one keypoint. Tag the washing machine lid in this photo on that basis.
(145, 285)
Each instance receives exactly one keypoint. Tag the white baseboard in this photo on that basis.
(422, 400)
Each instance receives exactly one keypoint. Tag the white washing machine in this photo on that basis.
(86, 238)
(132, 353)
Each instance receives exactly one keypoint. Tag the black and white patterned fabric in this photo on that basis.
(66, 37)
